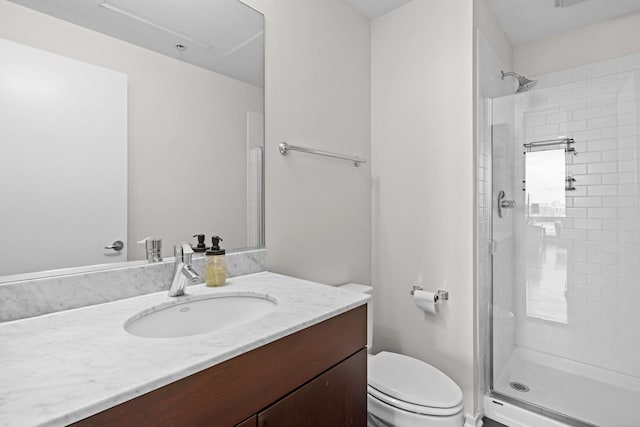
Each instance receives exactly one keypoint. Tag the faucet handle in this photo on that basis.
(187, 254)
(183, 252)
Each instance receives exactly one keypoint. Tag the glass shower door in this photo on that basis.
(566, 245)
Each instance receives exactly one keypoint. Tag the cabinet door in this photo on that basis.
(335, 398)
(252, 421)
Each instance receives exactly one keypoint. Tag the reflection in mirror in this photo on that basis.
(546, 260)
(127, 119)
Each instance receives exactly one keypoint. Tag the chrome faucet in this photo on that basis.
(183, 273)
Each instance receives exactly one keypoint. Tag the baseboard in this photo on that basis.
(473, 420)
(511, 415)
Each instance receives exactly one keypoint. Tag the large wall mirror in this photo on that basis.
(123, 119)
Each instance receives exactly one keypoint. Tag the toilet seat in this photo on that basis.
(412, 385)
(410, 407)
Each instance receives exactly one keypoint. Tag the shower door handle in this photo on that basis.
(504, 204)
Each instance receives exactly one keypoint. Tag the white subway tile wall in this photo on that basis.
(483, 224)
(599, 106)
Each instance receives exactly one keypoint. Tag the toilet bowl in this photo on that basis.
(405, 392)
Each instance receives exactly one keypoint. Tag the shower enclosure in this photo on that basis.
(559, 244)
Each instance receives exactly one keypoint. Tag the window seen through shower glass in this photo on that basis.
(546, 258)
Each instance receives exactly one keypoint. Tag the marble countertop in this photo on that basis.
(62, 367)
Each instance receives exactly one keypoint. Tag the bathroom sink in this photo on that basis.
(198, 316)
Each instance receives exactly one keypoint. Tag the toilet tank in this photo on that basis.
(364, 289)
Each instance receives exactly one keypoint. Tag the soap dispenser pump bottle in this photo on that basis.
(200, 247)
(215, 266)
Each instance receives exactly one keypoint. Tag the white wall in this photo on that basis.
(187, 132)
(317, 95)
(595, 42)
(487, 22)
(423, 183)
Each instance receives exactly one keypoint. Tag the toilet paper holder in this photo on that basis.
(442, 294)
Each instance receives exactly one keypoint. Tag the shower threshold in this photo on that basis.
(583, 392)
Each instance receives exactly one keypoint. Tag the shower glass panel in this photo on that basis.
(566, 255)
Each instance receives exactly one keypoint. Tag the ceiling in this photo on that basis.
(374, 8)
(527, 20)
(224, 36)
(227, 36)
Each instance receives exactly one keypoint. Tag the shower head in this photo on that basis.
(524, 84)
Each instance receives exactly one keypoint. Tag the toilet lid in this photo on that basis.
(412, 381)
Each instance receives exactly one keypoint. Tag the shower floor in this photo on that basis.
(581, 391)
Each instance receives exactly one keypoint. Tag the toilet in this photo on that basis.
(406, 392)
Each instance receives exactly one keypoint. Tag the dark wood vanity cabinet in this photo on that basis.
(314, 377)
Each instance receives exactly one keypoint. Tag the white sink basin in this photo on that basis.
(198, 316)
